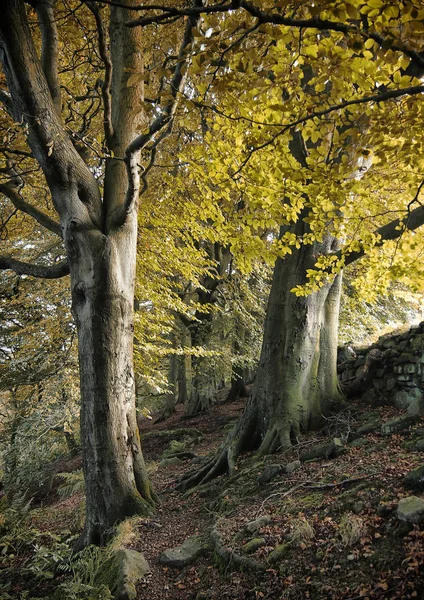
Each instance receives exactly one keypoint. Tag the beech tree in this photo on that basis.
(97, 209)
(308, 172)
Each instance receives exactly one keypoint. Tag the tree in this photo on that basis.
(296, 382)
(97, 209)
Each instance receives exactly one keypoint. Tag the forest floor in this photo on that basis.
(327, 530)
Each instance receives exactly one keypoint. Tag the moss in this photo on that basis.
(253, 545)
(279, 553)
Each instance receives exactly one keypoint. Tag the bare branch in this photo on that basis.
(20, 204)
(61, 269)
(49, 49)
(106, 87)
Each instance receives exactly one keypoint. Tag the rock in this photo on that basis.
(121, 572)
(279, 553)
(170, 462)
(375, 448)
(326, 450)
(253, 526)
(358, 507)
(411, 400)
(292, 466)
(253, 545)
(358, 443)
(415, 479)
(269, 473)
(411, 509)
(370, 426)
(398, 424)
(183, 555)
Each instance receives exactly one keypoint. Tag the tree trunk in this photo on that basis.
(238, 383)
(171, 396)
(182, 397)
(296, 382)
(102, 303)
(203, 392)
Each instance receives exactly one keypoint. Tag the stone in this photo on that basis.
(253, 526)
(415, 479)
(253, 545)
(358, 507)
(326, 450)
(369, 426)
(404, 378)
(292, 467)
(121, 572)
(375, 448)
(181, 556)
(411, 509)
(279, 553)
(406, 357)
(390, 384)
(398, 424)
(269, 473)
(358, 443)
(170, 462)
(411, 400)
(360, 361)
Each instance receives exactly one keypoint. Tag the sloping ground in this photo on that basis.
(329, 529)
(319, 522)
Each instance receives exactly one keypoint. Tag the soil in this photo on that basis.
(334, 520)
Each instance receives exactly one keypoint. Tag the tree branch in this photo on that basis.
(49, 49)
(107, 84)
(19, 203)
(391, 231)
(159, 124)
(169, 13)
(32, 105)
(56, 271)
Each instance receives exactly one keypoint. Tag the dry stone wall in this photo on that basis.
(391, 371)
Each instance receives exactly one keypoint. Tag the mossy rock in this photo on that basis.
(398, 424)
(411, 510)
(170, 462)
(358, 443)
(121, 572)
(181, 556)
(279, 553)
(254, 545)
(369, 426)
(321, 451)
(415, 479)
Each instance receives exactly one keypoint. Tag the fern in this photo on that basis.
(73, 483)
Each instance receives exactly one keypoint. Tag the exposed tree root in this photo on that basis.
(231, 558)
